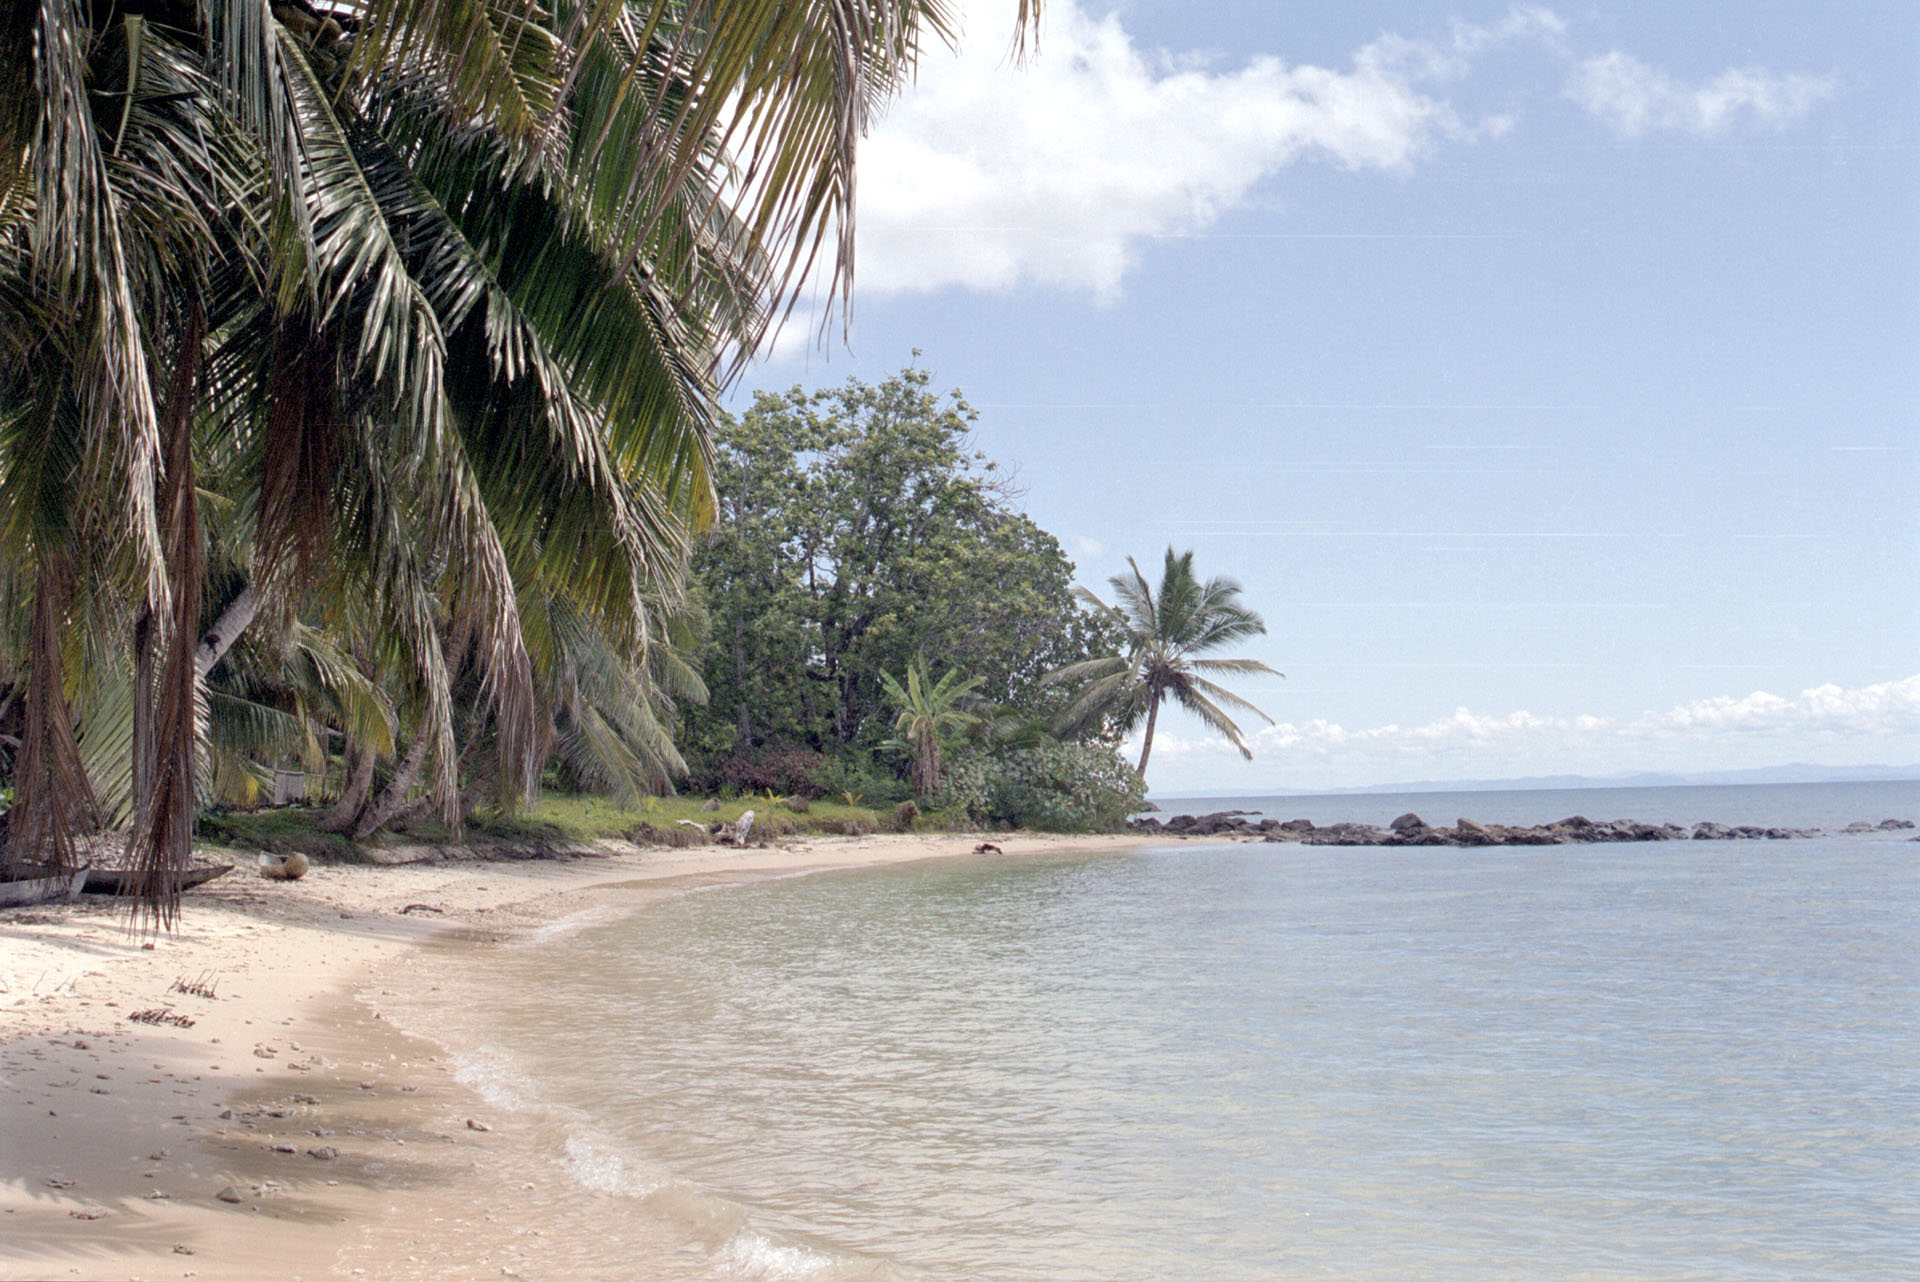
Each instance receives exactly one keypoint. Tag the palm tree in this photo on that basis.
(929, 710)
(1165, 630)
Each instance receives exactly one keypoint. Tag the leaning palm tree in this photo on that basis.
(929, 710)
(1165, 631)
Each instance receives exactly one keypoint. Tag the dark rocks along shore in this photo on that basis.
(1411, 830)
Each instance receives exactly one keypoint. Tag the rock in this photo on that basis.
(710, 804)
(1859, 825)
(231, 1194)
(285, 1148)
(1408, 822)
(325, 1153)
(1895, 825)
(1711, 832)
(1469, 833)
(1297, 825)
(473, 1125)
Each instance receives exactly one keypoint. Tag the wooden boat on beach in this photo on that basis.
(114, 881)
(24, 892)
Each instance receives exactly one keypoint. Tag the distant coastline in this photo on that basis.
(1797, 773)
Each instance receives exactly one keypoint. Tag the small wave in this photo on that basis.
(592, 1166)
(574, 922)
(489, 1073)
(750, 1255)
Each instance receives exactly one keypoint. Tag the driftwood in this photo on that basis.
(735, 833)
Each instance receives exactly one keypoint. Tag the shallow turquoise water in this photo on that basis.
(1686, 1060)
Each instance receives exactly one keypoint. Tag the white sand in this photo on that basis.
(117, 1137)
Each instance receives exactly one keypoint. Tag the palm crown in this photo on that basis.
(929, 709)
(1165, 632)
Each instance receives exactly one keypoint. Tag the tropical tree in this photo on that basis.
(929, 710)
(857, 527)
(1166, 631)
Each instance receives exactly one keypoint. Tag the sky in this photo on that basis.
(1549, 377)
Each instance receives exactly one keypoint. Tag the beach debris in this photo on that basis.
(87, 1213)
(292, 868)
(474, 1125)
(160, 1015)
(231, 1194)
(157, 1156)
(735, 833)
(158, 1195)
(285, 1148)
(181, 1248)
(325, 1153)
(420, 908)
(988, 848)
(205, 986)
(58, 1182)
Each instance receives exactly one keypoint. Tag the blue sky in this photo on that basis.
(1548, 376)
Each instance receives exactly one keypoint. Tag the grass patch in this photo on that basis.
(556, 820)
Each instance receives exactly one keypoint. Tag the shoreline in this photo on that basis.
(289, 1127)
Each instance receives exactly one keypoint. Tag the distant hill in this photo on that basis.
(1798, 772)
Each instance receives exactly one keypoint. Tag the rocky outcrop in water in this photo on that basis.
(1411, 830)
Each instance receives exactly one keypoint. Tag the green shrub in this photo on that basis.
(855, 774)
(1055, 787)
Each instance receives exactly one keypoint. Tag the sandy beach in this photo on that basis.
(273, 1122)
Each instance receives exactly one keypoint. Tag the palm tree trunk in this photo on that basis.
(145, 747)
(1146, 747)
(359, 764)
(53, 801)
(390, 802)
(219, 638)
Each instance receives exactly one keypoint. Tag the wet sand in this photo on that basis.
(277, 1124)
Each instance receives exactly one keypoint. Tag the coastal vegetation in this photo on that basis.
(386, 342)
(361, 445)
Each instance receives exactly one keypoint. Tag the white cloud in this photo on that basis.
(1633, 98)
(1828, 723)
(1887, 708)
(986, 176)
(990, 177)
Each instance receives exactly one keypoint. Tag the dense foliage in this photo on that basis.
(1055, 787)
(858, 534)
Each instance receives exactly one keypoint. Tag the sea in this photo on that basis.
(1242, 1062)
